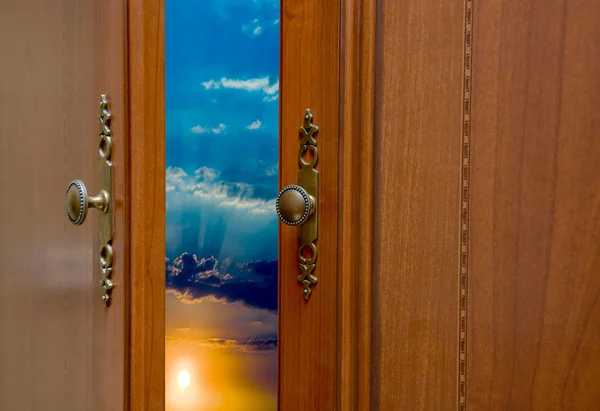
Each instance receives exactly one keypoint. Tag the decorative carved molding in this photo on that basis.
(464, 209)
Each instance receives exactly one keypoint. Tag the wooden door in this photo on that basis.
(486, 144)
(457, 205)
(60, 347)
(459, 225)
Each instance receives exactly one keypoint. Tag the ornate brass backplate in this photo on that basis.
(297, 205)
(308, 178)
(77, 200)
(105, 178)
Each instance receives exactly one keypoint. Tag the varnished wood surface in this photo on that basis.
(33, 334)
(60, 349)
(110, 388)
(308, 330)
(534, 324)
(81, 245)
(416, 207)
(147, 205)
(356, 143)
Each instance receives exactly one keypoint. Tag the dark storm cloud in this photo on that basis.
(259, 344)
(264, 268)
(187, 268)
(207, 264)
(192, 279)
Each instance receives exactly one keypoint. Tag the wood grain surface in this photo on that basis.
(110, 388)
(33, 288)
(60, 348)
(308, 329)
(147, 204)
(418, 131)
(534, 325)
(357, 134)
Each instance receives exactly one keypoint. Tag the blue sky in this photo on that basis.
(222, 97)
(222, 62)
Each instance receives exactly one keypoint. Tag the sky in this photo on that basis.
(222, 95)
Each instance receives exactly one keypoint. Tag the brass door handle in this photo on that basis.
(298, 205)
(294, 205)
(77, 202)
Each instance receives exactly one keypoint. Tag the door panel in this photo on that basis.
(308, 331)
(417, 223)
(111, 332)
(486, 219)
(61, 348)
(534, 328)
(77, 152)
(146, 200)
(34, 259)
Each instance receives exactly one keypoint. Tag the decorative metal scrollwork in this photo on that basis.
(308, 178)
(106, 221)
(297, 205)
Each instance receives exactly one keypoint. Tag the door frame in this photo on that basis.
(145, 84)
(351, 33)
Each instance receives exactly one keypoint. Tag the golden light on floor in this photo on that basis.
(183, 379)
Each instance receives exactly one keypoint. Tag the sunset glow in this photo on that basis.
(183, 379)
(221, 376)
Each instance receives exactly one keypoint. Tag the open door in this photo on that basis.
(442, 245)
(62, 104)
(433, 165)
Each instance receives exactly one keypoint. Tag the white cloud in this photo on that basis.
(199, 130)
(219, 129)
(211, 84)
(276, 21)
(271, 171)
(205, 186)
(253, 28)
(257, 84)
(268, 99)
(255, 125)
(205, 174)
(252, 84)
(203, 130)
(273, 88)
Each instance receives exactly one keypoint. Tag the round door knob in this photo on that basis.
(77, 202)
(294, 205)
